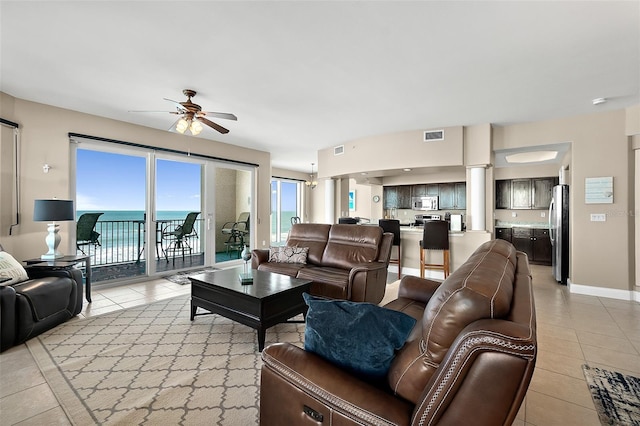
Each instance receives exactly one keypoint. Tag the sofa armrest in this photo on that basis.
(367, 282)
(308, 380)
(416, 288)
(259, 256)
(500, 353)
(7, 317)
(73, 273)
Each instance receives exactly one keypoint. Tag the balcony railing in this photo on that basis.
(123, 241)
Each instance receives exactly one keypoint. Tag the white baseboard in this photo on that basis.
(611, 293)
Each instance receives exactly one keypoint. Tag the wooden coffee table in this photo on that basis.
(270, 300)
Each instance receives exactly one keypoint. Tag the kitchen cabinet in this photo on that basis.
(543, 192)
(390, 197)
(503, 234)
(404, 197)
(419, 190)
(521, 193)
(424, 190)
(526, 193)
(542, 246)
(503, 194)
(453, 196)
(397, 197)
(535, 242)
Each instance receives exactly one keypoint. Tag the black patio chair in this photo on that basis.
(178, 239)
(86, 234)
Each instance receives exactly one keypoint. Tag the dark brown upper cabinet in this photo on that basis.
(526, 193)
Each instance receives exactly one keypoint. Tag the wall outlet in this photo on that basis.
(543, 214)
(598, 217)
(514, 214)
(264, 243)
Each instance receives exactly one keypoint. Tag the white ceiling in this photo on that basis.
(303, 76)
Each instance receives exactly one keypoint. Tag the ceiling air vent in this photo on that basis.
(433, 135)
(338, 150)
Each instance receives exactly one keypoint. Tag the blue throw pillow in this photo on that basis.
(360, 337)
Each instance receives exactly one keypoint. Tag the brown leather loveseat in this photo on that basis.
(344, 261)
(468, 360)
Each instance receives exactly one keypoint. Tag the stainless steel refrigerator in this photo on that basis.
(559, 232)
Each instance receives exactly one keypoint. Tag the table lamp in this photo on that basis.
(52, 211)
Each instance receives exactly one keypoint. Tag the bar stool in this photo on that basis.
(435, 236)
(393, 226)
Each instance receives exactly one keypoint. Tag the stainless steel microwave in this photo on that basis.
(425, 203)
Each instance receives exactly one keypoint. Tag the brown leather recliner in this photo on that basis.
(28, 308)
(468, 360)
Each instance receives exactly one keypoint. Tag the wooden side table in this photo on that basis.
(66, 263)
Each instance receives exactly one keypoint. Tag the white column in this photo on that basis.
(478, 199)
(329, 200)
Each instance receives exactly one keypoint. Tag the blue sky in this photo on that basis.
(107, 181)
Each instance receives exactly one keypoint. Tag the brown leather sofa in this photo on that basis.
(28, 308)
(344, 261)
(468, 360)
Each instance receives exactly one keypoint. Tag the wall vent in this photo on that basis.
(433, 135)
(338, 150)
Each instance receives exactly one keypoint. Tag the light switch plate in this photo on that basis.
(598, 217)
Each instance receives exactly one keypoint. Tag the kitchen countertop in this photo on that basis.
(533, 225)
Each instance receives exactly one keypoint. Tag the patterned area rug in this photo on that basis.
(615, 395)
(182, 278)
(151, 365)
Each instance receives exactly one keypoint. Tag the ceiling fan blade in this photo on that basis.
(176, 103)
(154, 112)
(225, 115)
(212, 125)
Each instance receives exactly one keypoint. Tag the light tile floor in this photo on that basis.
(572, 330)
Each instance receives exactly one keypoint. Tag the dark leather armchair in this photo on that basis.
(48, 298)
(468, 360)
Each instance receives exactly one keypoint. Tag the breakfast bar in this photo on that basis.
(461, 245)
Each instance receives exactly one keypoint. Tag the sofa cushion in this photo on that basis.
(481, 288)
(290, 269)
(312, 235)
(349, 245)
(360, 337)
(12, 269)
(288, 254)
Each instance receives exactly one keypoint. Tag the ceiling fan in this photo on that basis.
(192, 116)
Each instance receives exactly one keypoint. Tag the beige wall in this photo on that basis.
(406, 150)
(44, 138)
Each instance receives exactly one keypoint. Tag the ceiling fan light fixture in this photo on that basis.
(195, 128)
(182, 125)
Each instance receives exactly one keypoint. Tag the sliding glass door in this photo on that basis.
(111, 192)
(160, 212)
(177, 217)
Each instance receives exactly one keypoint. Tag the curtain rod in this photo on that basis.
(173, 151)
(288, 178)
(9, 123)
